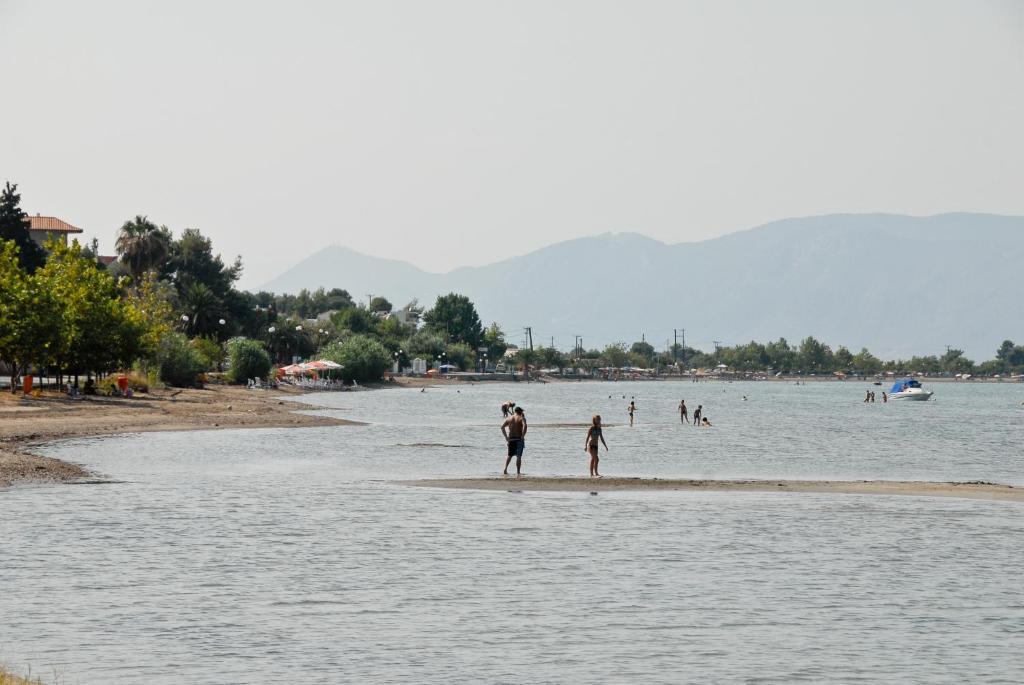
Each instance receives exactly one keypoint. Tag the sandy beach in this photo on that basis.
(970, 490)
(28, 421)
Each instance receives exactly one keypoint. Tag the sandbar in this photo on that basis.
(969, 490)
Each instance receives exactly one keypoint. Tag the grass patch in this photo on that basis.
(8, 678)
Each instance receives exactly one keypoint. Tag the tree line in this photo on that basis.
(810, 356)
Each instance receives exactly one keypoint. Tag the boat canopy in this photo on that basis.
(901, 385)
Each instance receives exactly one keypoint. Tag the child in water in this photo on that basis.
(594, 434)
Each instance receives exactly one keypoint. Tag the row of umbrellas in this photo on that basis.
(308, 367)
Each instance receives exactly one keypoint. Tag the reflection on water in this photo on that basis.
(289, 555)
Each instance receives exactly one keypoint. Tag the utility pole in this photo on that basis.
(369, 299)
(529, 337)
(552, 342)
(718, 344)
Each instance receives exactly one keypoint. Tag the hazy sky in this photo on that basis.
(452, 133)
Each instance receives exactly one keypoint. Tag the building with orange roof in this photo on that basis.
(45, 228)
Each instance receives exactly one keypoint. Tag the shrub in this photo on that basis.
(180, 365)
(210, 351)
(364, 358)
(248, 360)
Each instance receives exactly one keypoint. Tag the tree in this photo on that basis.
(643, 352)
(866, 363)
(247, 359)
(494, 341)
(380, 305)
(814, 356)
(954, 361)
(364, 358)
(614, 355)
(14, 226)
(455, 317)
(425, 344)
(29, 316)
(100, 331)
(142, 246)
(355, 320)
(178, 361)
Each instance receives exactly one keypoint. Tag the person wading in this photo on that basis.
(514, 430)
(594, 434)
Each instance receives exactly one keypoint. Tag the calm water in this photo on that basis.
(272, 556)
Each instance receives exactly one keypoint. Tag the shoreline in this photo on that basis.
(968, 490)
(27, 422)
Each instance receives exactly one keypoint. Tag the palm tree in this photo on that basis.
(202, 308)
(142, 246)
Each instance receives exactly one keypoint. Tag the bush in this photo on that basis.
(136, 382)
(364, 358)
(179, 363)
(248, 360)
(210, 351)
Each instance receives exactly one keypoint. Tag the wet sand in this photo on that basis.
(970, 490)
(29, 421)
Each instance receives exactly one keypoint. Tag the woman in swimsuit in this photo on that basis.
(594, 435)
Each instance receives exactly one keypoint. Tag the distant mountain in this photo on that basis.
(898, 285)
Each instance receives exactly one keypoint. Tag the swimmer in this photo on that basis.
(705, 423)
(697, 413)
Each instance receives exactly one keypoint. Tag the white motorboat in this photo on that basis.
(909, 389)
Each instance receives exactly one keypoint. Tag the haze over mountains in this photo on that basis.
(898, 285)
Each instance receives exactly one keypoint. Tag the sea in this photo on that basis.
(302, 556)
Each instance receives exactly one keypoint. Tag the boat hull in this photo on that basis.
(913, 395)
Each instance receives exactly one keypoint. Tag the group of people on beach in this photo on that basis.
(514, 428)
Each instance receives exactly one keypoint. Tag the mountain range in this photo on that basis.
(898, 285)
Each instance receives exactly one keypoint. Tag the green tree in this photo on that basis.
(363, 358)
(549, 357)
(814, 356)
(142, 246)
(954, 361)
(866, 363)
(643, 353)
(494, 341)
(247, 359)
(425, 345)
(14, 226)
(100, 331)
(615, 355)
(192, 261)
(380, 305)
(355, 320)
(29, 316)
(178, 362)
(455, 317)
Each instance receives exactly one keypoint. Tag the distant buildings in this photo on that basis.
(46, 228)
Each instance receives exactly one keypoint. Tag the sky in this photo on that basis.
(458, 133)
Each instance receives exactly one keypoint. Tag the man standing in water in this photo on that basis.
(631, 408)
(515, 437)
(683, 414)
(696, 414)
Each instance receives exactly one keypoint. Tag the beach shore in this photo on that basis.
(28, 421)
(970, 490)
